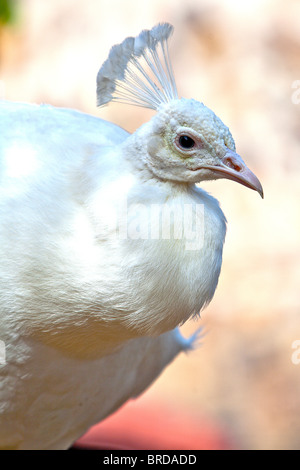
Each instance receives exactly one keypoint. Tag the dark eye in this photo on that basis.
(186, 142)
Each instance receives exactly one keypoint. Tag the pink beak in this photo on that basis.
(233, 168)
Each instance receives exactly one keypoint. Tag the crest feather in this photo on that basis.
(138, 71)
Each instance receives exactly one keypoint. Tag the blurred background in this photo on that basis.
(241, 388)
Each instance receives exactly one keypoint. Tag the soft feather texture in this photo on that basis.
(135, 73)
(106, 247)
(72, 294)
(58, 214)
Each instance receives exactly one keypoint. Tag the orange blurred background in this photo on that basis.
(242, 59)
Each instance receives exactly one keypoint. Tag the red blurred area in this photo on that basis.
(136, 427)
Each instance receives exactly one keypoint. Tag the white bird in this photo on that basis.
(106, 245)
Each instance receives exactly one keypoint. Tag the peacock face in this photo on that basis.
(185, 142)
(189, 143)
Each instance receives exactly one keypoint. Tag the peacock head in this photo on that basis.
(186, 141)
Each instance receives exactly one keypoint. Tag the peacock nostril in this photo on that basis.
(232, 163)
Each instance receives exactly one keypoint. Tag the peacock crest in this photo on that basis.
(138, 71)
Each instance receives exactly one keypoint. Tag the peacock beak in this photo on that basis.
(234, 168)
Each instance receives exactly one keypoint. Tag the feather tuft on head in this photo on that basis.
(138, 71)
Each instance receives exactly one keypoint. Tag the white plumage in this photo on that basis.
(106, 245)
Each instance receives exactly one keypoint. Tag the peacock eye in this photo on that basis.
(186, 142)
